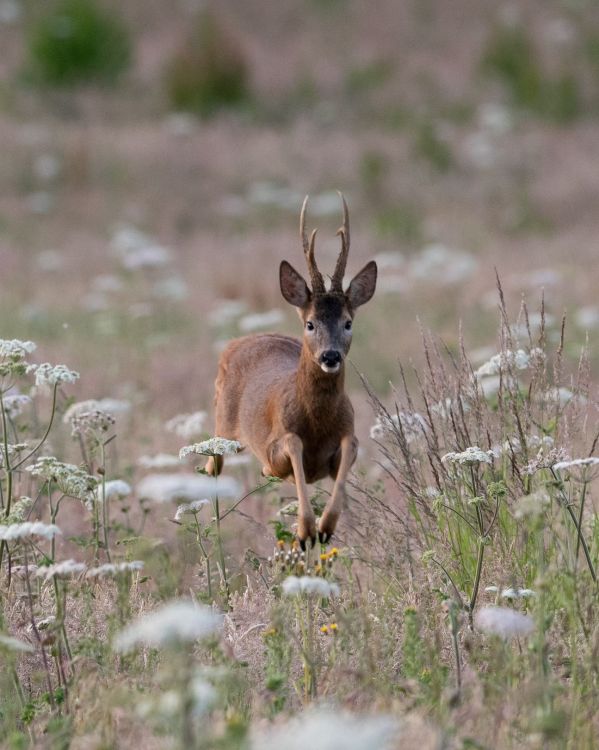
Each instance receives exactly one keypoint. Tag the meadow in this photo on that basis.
(147, 197)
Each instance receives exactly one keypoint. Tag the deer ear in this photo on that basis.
(293, 287)
(362, 286)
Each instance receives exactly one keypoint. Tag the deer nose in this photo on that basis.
(330, 358)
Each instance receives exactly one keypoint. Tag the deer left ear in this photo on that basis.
(362, 286)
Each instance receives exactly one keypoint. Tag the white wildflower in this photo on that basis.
(413, 426)
(190, 508)
(492, 589)
(178, 621)
(257, 321)
(216, 446)
(293, 586)
(64, 569)
(13, 449)
(14, 644)
(518, 360)
(504, 622)
(329, 729)
(576, 463)
(109, 406)
(533, 505)
(470, 457)
(51, 375)
(579, 469)
(587, 317)
(226, 311)
(163, 488)
(440, 264)
(137, 250)
(14, 405)
(159, 461)
(70, 479)
(187, 426)
(173, 289)
(28, 529)
(15, 350)
(512, 593)
(115, 488)
(112, 570)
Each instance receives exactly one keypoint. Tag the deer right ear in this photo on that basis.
(293, 287)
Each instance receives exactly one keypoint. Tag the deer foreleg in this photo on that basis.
(289, 449)
(328, 521)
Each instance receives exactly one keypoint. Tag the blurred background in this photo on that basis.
(155, 156)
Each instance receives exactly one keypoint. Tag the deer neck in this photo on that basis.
(317, 389)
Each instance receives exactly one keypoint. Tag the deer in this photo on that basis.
(284, 398)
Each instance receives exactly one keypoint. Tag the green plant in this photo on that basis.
(511, 57)
(209, 72)
(77, 41)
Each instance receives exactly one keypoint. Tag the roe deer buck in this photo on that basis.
(284, 398)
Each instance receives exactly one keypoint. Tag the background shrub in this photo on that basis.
(77, 41)
(209, 71)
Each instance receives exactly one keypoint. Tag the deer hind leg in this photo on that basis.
(285, 457)
(342, 463)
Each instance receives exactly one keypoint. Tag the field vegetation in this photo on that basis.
(156, 158)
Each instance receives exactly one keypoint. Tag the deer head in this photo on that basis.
(327, 315)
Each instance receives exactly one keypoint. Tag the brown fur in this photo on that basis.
(275, 398)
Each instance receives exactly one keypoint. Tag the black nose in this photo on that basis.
(330, 358)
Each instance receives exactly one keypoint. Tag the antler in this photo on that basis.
(343, 232)
(316, 278)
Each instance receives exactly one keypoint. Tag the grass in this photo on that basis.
(463, 584)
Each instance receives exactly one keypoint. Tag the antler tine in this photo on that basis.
(343, 232)
(315, 275)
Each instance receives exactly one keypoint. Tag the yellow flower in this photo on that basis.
(333, 626)
(324, 629)
(334, 552)
(324, 557)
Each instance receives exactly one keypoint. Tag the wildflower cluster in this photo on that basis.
(29, 529)
(112, 570)
(330, 629)
(53, 375)
(88, 424)
(190, 508)
(115, 489)
(517, 360)
(12, 449)
(412, 425)
(12, 356)
(70, 479)
(292, 560)
(294, 586)
(505, 622)
(187, 426)
(216, 446)
(469, 457)
(180, 621)
(15, 404)
(65, 569)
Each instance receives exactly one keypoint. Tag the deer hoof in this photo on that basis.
(326, 528)
(306, 530)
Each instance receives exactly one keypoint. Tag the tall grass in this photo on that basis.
(457, 609)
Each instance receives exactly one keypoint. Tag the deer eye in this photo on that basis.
(348, 325)
(310, 325)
